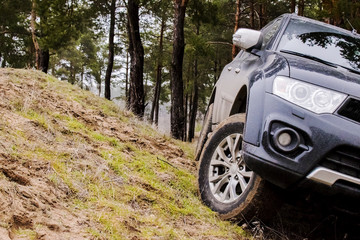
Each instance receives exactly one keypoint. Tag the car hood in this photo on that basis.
(335, 78)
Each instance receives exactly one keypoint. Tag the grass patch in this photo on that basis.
(96, 136)
(36, 117)
(188, 148)
(117, 162)
(26, 233)
(74, 124)
(110, 109)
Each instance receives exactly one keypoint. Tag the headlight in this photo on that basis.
(309, 96)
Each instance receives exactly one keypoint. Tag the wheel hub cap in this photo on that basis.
(233, 169)
(228, 178)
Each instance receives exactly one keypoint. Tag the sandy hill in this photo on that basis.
(75, 166)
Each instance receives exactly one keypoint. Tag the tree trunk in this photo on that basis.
(127, 77)
(82, 78)
(155, 105)
(111, 51)
(72, 74)
(52, 69)
(42, 56)
(194, 103)
(235, 49)
(136, 49)
(154, 116)
(177, 85)
(262, 14)
(292, 6)
(301, 7)
(33, 34)
(3, 63)
(252, 14)
(195, 96)
(186, 105)
(99, 88)
(44, 60)
(215, 68)
(355, 9)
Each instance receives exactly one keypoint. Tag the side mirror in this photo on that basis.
(247, 38)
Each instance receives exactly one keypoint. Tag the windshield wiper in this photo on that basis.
(309, 57)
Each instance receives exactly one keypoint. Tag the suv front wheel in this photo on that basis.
(226, 184)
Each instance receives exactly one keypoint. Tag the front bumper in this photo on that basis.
(329, 152)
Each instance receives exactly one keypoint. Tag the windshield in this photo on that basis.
(321, 42)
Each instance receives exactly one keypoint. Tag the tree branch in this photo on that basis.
(220, 43)
(5, 31)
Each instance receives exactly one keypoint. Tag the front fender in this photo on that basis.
(261, 81)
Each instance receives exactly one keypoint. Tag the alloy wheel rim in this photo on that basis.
(228, 175)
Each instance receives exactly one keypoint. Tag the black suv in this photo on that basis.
(285, 113)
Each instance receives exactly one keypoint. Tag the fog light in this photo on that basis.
(284, 139)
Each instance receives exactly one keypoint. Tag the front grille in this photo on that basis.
(351, 110)
(345, 160)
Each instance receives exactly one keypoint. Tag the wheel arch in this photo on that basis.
(239, 105)
(212, 97)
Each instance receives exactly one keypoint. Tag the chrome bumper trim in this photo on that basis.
(329, 177)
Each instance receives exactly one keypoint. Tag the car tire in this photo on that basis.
(206, 129)
(226, 184)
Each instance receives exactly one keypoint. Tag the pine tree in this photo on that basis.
(177, 85)
(136, 91)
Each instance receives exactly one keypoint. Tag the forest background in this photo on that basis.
(154, 52)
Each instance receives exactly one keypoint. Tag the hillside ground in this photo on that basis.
(75, 166)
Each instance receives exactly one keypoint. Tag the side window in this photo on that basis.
(270, 31)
